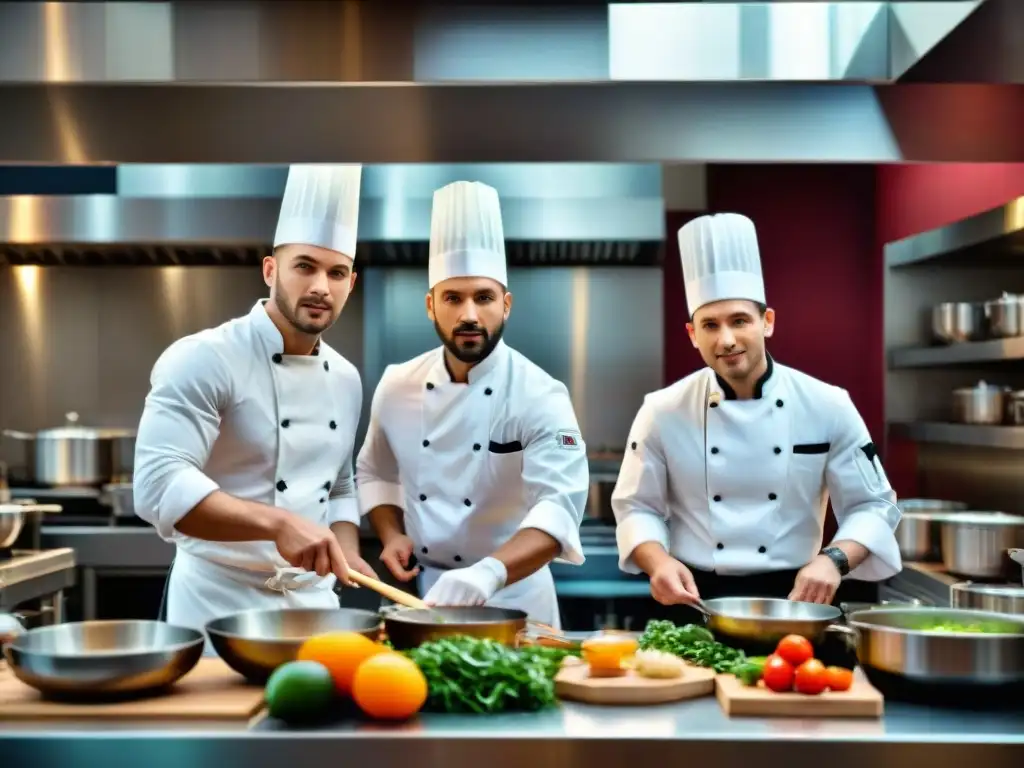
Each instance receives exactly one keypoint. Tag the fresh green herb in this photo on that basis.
(750, 670)
(692, 643)
(470, 674)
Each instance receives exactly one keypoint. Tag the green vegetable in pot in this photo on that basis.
(690, 642)
(469, 674)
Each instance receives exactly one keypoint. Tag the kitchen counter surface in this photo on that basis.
(572, 735)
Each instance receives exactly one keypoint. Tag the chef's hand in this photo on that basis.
(817, 581)
(474, 585)
(395, 556)
(357, 564)
(305, 544)
(672, 583)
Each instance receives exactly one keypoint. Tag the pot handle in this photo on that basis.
(848, 634)
(13, 433)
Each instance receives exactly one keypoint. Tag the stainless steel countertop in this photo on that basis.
(572, 735)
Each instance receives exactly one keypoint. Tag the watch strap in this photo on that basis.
(838, 558)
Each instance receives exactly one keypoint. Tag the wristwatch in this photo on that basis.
(838, 558)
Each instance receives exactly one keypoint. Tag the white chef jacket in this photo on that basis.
(471, 464)
(742, 486)
(228, 410)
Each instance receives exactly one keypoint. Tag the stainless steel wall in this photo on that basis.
(86, 339)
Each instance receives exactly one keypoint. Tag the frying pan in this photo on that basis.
(765, 621)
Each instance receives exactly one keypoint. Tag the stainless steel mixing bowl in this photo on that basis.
(104, 658)
(255, 643)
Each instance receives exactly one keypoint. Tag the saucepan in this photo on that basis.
(940, 655)
(765, 621)
(255, 643)
(103, 659)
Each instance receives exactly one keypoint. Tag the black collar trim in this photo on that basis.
(730, 393)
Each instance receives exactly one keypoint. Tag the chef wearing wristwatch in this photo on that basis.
(728, 472)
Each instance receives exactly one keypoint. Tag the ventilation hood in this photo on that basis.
(553, 214)
(297, 81)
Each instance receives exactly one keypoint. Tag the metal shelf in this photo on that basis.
(991, 238)
(996, 350)
(979, 435)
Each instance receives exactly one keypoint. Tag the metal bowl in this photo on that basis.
(411, 627)
(255, 643)
(99, 659)
(12, 520)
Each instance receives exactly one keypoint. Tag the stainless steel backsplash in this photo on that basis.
(85, 340)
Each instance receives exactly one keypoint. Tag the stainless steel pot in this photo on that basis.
(976, 544)
(982, 404)
(1015, 408)
(958, 321)
(1005, 316)
(995, 598)
(1017, 555)
(73, 455)
(898, 642)
(918, 532)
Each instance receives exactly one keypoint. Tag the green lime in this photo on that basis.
(299, 690)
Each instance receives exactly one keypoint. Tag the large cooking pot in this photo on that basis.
(74, 455)
(906, 659)
(980, 404)
(958, 321)
(977, 544)
(995, 598)
(1005, 316)
(918, 533)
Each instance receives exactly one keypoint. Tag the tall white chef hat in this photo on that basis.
(321, 207)
(720, 260)
(466, 235)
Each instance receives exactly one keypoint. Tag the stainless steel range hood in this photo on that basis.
(557, 215)
(296, 81)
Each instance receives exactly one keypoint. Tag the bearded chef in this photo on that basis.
(244, 452)
(473, 460)
(727, 473)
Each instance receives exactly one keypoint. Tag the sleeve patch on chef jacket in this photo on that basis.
(569, 440)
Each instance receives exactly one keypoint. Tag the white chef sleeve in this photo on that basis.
(189, 386)
(342, 502)
(377, 477)
(640, 498)
(862, 499)
(556, 472)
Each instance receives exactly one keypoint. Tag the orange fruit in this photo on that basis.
(341, 653)
(390, 687)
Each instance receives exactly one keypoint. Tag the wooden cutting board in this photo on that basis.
(861, 700)
(211, 691)
(574, 683)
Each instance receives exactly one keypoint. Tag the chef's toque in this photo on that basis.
(466, 235)
(321, 207)
(720, 260)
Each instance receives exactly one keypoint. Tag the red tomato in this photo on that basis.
(777, 674)
(839, 679)
(795, 649)
(810, 678)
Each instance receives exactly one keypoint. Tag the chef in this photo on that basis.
(727, 473)
(473, 461)
(244, 452)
